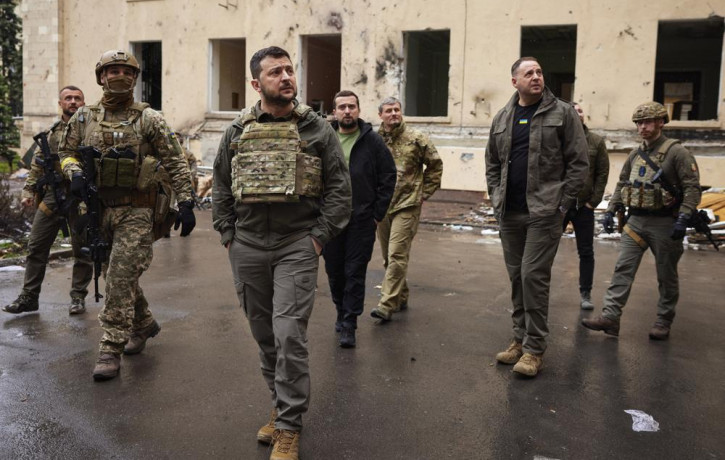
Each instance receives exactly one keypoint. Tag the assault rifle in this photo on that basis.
(53, 179)
(698, 219)
(97, 247)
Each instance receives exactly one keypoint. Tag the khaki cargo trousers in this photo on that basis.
(655, 234)
(529, 247)
(276, 290)
(395, 233)
(42, 235)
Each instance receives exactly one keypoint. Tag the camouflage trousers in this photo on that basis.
(129, 231)
(395, 233)
(42, 235)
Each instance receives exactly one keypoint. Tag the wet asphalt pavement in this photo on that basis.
(424, 386)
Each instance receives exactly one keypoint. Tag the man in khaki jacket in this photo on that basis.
(419, 176)
(536, 163)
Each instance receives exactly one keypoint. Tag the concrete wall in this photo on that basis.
(615, 57)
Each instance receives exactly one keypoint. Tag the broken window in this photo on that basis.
(687, 70)
(320, 69)
(555, 48)
(148, 89)
(426, 73)
(228, 66)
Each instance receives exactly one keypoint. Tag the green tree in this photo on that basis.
(11, 79)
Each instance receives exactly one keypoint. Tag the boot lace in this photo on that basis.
(285, 440)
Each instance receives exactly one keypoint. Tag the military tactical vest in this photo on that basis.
(269, 165)
(639, 191)
(121, 144)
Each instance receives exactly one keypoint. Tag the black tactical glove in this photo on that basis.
(608, 222)
(186, 218)
(680, 227)
(78, 185)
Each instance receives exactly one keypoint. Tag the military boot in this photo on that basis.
(266, 433)
(381, 314)
(602, 323)
(138, 339)
(347, 337)
(660, 331)
(107, 366)
(586, 302)
(511, 355)
(23, 303)
(286, 445)
(529, 364)
(77, 306)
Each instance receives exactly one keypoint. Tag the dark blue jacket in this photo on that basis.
(372, 172)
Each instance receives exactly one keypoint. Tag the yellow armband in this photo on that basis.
(68, 160)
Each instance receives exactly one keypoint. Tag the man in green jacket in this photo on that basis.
(536, 164)
(581, 213)
(419, 176)
(274, 226)
(660, 186)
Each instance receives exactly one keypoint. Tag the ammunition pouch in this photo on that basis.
(647, 196)
(117, 169)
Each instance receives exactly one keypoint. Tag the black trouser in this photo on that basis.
(583, 221)
(346, 263)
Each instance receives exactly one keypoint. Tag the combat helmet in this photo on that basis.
(115, 57)
(650, 110)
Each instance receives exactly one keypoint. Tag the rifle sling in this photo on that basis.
(637, 239)
(46, 210)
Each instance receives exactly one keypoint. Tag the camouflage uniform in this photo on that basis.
(127, 222)
(419, 176)
(652, 227)
(46, 225)
(271, 252)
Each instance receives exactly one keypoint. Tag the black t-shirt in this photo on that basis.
(518, 168)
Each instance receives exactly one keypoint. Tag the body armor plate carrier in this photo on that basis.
(270, 166)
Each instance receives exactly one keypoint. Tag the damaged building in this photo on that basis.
(448, 61)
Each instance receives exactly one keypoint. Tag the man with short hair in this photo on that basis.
(581, 212)
(372, 174)
(660, 186)
(536, 164)
(274, 226)
(136, 150)
(419, 176)
(47, 221)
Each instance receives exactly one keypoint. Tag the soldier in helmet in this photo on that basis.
(660, 186)
(129, 136)
(281, 191)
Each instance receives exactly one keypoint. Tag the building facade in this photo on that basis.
(448, 61)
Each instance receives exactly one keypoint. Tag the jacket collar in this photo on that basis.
(547, 101)
(395, 133)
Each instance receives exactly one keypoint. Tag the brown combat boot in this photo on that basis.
(265, 434)
(138, 339)
(286, 445)
(107, 366)
(602, 323)
(529, 365)
(23, 303)
(659, 331)
(511, 355)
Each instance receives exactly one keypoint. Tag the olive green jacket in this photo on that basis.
(679, 169)
(557, 161)
(412, 151)
(593, 189)
(275, 225)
